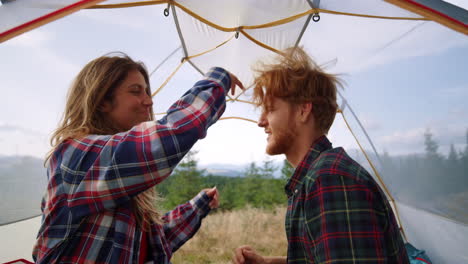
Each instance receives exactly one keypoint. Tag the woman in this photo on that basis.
(107, 156)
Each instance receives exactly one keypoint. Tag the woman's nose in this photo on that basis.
(148, 100)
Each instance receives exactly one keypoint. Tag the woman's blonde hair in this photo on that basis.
(296, 78)
(96, 83)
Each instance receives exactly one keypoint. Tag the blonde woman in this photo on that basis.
(107, 156)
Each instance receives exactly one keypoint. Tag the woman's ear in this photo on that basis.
(105, 107)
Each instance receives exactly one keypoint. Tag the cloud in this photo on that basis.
(37, 43)
(13, 128)
(419, 40)
(17, 140)
(30, 39)
(239, 146)
(412, 140)
(460, 91)
(370, 123)
(409, 137)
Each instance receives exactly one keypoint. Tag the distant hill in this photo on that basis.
(227, 170)
(23, 180)
(231, 170)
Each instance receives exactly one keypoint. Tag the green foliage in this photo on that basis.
(425, 180)
(258, 188)
(287, 170)
(431, 146)
(184, 183)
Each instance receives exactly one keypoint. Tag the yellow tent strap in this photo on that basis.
(168, 78)
(131, 4)
(377, 175)
(245, 90)
(369, 16)
(241, 28)
(217, 46)
(182, 62)
(261, 44)
(241, 101)
(239, 118)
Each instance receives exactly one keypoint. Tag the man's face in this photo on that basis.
(278, 121)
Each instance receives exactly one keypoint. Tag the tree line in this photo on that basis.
(424, 178)
(415, 178)
(257, 187)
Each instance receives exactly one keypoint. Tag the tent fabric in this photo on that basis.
(417, 256)
(425, 224)
(442, 12)
(21, 16)
(443, 240)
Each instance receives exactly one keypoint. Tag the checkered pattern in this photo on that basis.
(337, 213)
(87, 208)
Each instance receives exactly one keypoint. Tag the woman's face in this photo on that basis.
(131, 103)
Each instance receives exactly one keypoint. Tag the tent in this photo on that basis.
(399, 58)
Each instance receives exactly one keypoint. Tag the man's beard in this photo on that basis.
(280, 141)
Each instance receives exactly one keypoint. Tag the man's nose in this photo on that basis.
(262, 120)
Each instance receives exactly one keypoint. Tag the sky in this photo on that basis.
(401, 78)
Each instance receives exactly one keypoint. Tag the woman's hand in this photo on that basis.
(214, 196)
(234, 82)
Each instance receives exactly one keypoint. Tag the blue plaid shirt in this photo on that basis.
(87, 209)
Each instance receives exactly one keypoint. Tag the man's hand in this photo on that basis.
(234, 82)
(247, 255)
(214, 196)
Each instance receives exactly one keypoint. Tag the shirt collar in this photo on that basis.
(295, 182)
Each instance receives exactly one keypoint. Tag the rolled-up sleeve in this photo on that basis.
(184, 221)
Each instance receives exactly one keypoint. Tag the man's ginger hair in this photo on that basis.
(296, 78)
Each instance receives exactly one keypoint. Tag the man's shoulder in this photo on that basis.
(336, 163)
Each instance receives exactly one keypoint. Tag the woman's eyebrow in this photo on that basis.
(138, 86)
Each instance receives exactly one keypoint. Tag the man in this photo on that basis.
(336, 211)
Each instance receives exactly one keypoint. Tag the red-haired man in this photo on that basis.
(336, 211)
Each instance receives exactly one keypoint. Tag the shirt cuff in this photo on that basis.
(221, 76)
(201, 204)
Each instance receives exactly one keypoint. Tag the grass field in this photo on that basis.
(222, 232)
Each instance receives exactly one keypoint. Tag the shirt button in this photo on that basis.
(295, 191)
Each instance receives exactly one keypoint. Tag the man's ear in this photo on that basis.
(305, 111)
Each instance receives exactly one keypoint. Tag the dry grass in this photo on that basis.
(221, 233)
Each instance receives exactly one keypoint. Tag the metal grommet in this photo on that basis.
(166, 12)
(316, 17)
(237, 34)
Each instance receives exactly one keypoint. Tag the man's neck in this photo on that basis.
(300, 147)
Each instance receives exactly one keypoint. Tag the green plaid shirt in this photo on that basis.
(337, 213)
